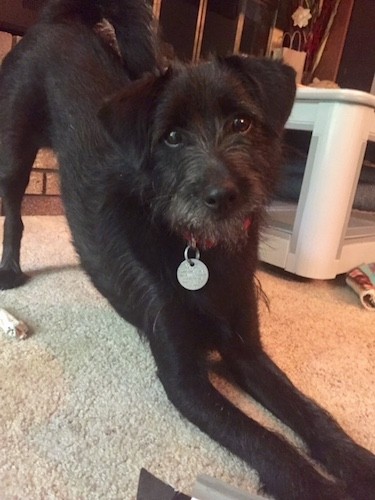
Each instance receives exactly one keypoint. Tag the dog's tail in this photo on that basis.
(132, 21)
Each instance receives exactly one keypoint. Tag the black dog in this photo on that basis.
(170, 176)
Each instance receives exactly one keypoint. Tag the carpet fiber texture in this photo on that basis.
(82, 410)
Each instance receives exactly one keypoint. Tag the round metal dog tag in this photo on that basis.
(192, 274)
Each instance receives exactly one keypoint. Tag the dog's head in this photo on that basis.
(205, 140)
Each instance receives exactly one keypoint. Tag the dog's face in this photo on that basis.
(207, 142)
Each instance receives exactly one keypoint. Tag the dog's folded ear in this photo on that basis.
(270, 83)
(127, 115)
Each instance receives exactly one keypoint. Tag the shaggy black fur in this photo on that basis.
(188, 156)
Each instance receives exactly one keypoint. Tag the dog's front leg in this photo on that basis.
(328, 443)
(176, 343)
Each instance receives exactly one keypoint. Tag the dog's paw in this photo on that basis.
(11, 279)
(361, 480)
(355, 466)
(305, 482)
(321, 490)
(362, 490)
(328, 492)
(312, 489)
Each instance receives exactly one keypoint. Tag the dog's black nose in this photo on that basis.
(221, 197)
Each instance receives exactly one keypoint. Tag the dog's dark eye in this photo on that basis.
(241, 124)
(173, 139)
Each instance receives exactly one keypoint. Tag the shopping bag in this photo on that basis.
(292, 54)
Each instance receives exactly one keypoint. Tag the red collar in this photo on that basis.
(207, 244)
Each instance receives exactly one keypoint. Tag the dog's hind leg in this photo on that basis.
(14, 176)
(23, 119)
(327, 442)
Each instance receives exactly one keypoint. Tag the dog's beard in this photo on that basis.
(187, 216)
(208, 231)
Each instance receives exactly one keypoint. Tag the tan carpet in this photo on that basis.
(81, 409)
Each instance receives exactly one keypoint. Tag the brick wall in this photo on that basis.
(6, 43)
(42, 195)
